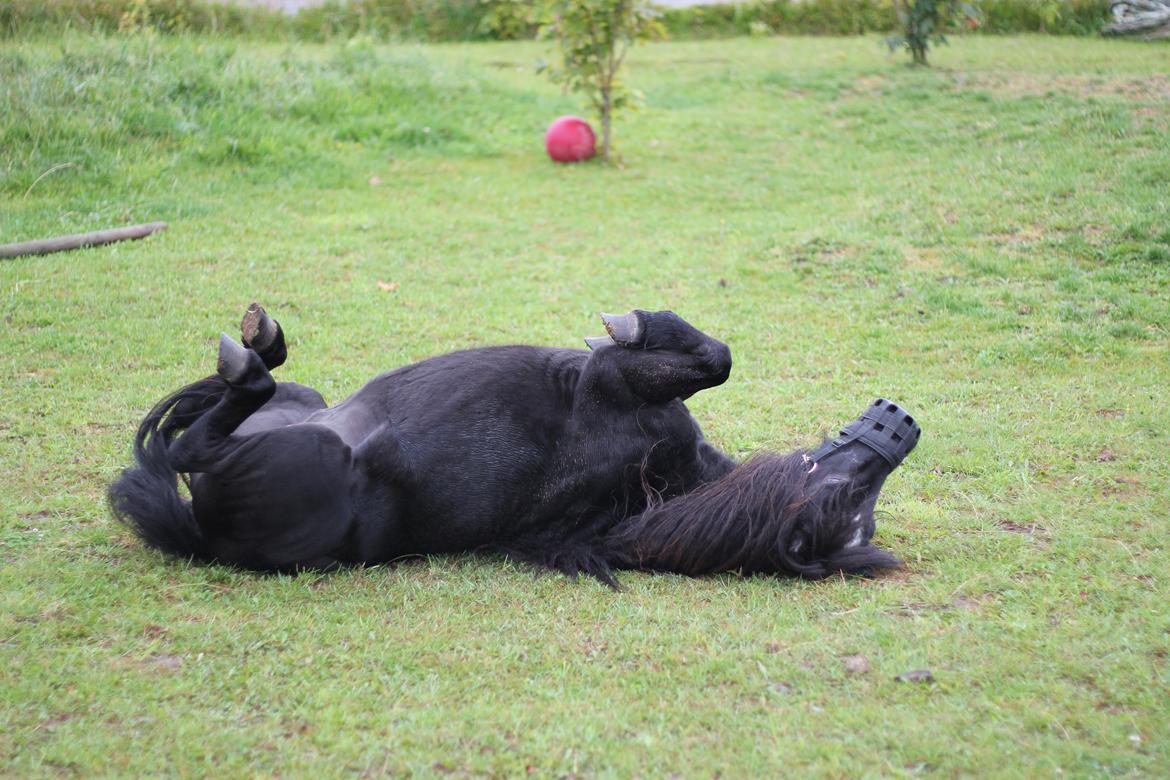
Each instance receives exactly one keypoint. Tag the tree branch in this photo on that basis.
(64, 243)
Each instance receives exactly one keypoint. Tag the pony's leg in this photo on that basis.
(263, 335)
(283, 499)
(269, 493)
(249, 387)
(658, 355)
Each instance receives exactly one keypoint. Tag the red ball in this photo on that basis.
(570, 139)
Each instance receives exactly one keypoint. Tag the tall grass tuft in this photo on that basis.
(100, 106)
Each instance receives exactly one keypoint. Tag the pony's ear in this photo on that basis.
(861, 560)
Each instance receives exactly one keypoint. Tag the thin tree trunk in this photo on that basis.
(605, 112)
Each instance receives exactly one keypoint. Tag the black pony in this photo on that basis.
(580, 461)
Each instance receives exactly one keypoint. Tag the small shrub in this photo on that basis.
(21, 17)
(1062, 17)
(788, 17)
(855, 17)
(510, 20)
(923, 22)
(432, 20)
(593, 37)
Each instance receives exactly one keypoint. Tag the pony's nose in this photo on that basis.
(884, 427)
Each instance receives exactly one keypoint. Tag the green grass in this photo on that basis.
(985, 241)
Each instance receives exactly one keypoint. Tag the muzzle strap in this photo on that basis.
(884, 427)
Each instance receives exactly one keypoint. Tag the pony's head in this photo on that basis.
(832, 528)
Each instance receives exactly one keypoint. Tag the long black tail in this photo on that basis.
(146, 498)
(748, 521)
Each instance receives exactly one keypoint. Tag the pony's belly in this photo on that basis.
(353, 422)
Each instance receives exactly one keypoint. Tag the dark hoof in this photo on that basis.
(233, 359)
(884, 428)
(258, 329)
(625, 329)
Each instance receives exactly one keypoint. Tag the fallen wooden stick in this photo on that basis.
(64, 243)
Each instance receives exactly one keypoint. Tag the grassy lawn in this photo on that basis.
(985, 242)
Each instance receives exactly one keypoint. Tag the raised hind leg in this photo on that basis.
(249, 386)
(267, 493)
(264, 335)
(253, 402)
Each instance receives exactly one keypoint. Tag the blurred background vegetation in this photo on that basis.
(470, 20)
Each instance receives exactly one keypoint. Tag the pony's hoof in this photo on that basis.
(233, 359)
(258, 329)
(624, 329)
(884, 427)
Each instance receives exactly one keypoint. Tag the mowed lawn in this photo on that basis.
(986, 241)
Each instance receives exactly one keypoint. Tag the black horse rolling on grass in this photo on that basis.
(582, 461)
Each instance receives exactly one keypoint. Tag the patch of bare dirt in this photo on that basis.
(856, 664)
(868, 86)
(1155, 87)
(53, 721)
(903, 574)
(922, 259)
(1152, 117)
(1124, 486)
(1021, 236)
(913, 608)
(1027, 529)
(819, 250)
(1094, 234)
(157, 662)
(973, 602)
